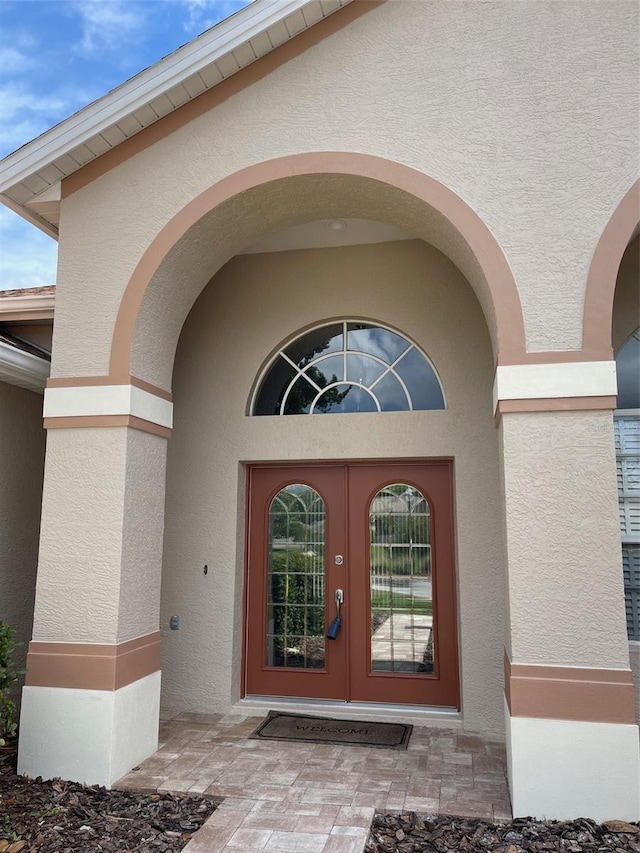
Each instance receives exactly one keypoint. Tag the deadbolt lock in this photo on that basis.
(338, 559)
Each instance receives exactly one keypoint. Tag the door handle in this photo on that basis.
(334, 628)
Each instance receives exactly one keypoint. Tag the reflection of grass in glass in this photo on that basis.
(384, 599)
(400, 561)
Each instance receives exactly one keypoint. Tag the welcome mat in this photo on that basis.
(296, 727)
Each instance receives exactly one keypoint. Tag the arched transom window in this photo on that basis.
(348, 367)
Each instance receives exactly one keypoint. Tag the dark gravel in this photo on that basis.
(63, 817)
(411, 833)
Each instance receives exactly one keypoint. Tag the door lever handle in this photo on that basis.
(334, 628)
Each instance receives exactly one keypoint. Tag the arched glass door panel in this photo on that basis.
(296, 579)
(402, 626)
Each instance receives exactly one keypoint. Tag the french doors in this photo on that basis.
(362, 552)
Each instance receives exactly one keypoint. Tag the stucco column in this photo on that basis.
(90, 706)
(572, 740)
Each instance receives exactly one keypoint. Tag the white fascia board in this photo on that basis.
(30, 215)
(22, 368)
(32, 306)
(226, 36)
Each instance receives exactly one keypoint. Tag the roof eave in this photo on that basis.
(31, 216)
(101, 114)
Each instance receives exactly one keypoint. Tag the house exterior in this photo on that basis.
(256, 236)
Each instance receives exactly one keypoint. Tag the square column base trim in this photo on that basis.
(92, 666)
(569, 693)
(89, 736)
(566, 769)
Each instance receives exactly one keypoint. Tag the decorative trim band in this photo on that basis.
(107, 401)
(92, 666)
(556, 404)
(569, 693)
(96, 421)
(551, 381)
(86, 381)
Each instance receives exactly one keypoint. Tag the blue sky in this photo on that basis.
(57, 56)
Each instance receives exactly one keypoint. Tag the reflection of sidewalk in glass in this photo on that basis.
(403, 643)
(416, 586)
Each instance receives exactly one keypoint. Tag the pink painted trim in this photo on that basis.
(508, 311)
(603, 274)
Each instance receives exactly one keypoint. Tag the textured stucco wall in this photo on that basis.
(100, 549)
(626, 304)
(563, 537)
(516, 124)
(22, 443)
(248, 309)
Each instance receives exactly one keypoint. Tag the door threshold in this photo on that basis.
(418, 715)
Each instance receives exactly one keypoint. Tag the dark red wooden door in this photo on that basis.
(382, 534)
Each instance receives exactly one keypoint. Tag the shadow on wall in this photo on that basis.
(22, 447)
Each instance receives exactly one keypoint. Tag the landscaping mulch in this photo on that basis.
(64, 817)
(412, 833)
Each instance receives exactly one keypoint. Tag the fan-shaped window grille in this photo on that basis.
(348, 367)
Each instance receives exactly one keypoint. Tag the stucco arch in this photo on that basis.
(603, 275)
(245, 206)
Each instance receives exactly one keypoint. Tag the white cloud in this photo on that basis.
(13, 61)
(28, 258)
(25, 114)
(15, 99)
(203, 14)
(106, 24)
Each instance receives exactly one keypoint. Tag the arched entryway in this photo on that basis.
(246, 312)
(266, 197)
(120, 423)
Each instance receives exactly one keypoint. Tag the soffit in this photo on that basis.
(30, 177)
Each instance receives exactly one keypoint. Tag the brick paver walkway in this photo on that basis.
(316, 798)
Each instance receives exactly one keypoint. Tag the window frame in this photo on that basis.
(389, 368)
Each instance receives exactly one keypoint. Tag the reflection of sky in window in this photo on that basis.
(421, 381)
(364, 370)
(355, 400)
(318, 342)
(628, 371)
(381, 342)
(391, 394)
(327, 370)
(321, 354)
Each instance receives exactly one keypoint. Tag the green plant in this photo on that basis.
(9, 675)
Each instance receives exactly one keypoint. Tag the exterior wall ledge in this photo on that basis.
(578, 380)
(78, 403)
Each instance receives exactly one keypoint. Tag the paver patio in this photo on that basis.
(316, 798)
